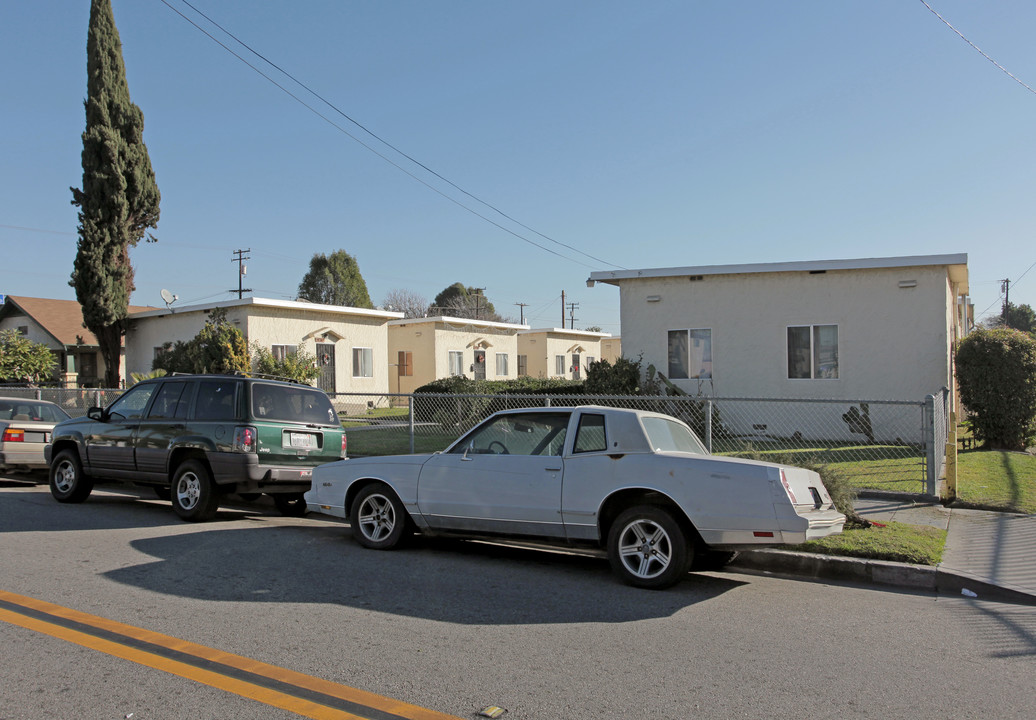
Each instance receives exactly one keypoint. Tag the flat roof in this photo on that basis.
(957, 264)
(567, 331)
(450, 320)
(268, 302)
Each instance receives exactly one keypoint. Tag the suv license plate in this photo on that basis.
(302, 440)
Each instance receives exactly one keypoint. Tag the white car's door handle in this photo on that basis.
(557, 469)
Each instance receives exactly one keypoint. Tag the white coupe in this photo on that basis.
(639, 484)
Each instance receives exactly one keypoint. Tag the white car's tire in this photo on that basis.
(378, 519)
(647, 548)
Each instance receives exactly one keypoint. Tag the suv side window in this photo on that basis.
(217, 400)
(132, 402)
(167, 402)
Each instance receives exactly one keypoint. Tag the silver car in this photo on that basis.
(26, 426)
(639, 484)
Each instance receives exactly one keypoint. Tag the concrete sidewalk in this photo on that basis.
(988, 555)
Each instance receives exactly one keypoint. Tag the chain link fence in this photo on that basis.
(74, 401)
(880, 444)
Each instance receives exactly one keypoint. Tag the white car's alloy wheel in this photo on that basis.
(645, 548)
(376, 517)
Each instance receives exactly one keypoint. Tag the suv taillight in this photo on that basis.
(344, 454)
(245, 439)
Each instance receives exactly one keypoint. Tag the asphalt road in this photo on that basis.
(456, 627)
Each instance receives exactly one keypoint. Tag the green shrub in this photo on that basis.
(299, 366)
(218, 348)
(622, 378)
(996, 374)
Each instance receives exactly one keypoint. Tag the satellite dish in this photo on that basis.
(169, 297)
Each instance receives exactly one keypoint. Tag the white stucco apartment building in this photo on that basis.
(862, 329)
(348, 343)
(558, 352)
(427, 349)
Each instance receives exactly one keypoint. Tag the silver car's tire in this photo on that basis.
(68, 482)
(647, 548)
(194, 494)
(378, 519)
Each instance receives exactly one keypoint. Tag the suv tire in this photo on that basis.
(68, 482)
(290, 504)
(193, 492)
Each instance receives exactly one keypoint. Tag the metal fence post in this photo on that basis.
(411, 423)
(930, 443)
(708, 425)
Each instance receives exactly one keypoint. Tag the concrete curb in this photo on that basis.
(877, 572)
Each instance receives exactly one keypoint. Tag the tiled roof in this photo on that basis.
(61, 318)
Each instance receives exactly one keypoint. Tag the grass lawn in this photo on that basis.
(897, 542)
(997, 480)
(368, 441)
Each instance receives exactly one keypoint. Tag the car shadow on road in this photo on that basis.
(448, 581)
(137, 508)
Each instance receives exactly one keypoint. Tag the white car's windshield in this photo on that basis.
(670, 436)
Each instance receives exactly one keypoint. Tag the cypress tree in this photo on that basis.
(119, 198)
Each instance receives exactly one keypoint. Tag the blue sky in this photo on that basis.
(650, 134)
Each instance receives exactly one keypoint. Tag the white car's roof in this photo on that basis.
(625, 433)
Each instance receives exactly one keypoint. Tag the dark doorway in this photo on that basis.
(480, 364)
(326, 362)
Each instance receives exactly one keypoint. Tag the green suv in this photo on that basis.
(194, 438)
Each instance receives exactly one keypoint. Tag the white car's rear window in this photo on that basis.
(671, 436)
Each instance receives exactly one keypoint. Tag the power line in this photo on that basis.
(977, 48)
(379, 139)
(1004, 283)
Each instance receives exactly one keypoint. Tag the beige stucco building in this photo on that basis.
(58, 324)
(611, 349)
(864, 329)
(348, 343)
(427, 349)
(558, 352)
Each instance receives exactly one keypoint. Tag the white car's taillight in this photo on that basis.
(245, 439)
(787, 488)
(12, 435)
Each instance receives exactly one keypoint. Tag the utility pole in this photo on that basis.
(1005, 288)
(242, 270)
(571, 315)
(562, 308)
(477, 293)
(521, 312)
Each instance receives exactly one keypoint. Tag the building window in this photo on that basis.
(501, 364)
(690, 354)
(280, 352)
(363, 362)
(523, 365)
(813, 351)
(456, 362)
(23, 330)
(590, 360)
(559, 365)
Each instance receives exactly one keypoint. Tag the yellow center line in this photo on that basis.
(308, 708)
